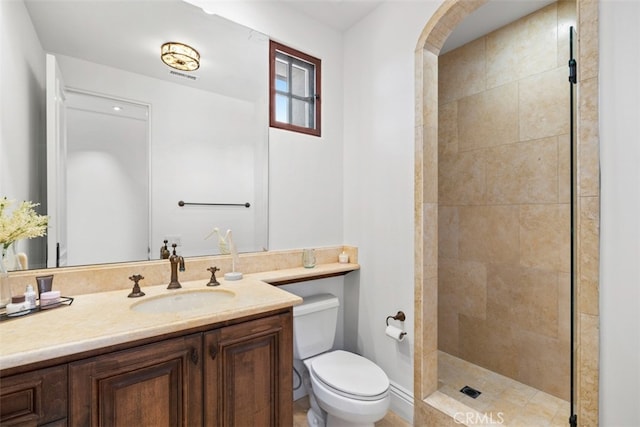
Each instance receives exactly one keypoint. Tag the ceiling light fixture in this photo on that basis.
(180, 56)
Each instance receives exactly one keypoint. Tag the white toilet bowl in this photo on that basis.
(345, 390)
(352, 390)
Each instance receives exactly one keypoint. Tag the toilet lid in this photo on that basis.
(350, 373)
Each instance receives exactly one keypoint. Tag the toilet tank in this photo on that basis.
(314, 325)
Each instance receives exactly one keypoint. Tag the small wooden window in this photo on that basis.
(295, 90)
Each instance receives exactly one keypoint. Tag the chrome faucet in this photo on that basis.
(176, 261)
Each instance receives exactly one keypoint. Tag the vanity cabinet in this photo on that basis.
(156, 384)
(238, 373)
(248, 374)
(34, 398)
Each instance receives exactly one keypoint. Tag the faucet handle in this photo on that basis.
(136, 292)
(213, 281)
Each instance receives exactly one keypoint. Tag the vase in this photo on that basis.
(6, 261)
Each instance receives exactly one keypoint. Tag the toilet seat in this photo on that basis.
(350, 375)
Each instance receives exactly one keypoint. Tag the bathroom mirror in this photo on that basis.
(140, 136)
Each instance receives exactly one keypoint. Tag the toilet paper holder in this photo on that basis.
(399, 316)
(392, 331)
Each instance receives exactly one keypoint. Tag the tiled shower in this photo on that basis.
(504, 201)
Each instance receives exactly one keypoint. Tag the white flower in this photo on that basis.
(23, 223)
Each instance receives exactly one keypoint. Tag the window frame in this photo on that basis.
(317, 103)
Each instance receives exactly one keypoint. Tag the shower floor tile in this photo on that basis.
(503, 401)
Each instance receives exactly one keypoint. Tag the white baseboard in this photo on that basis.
(402, 402)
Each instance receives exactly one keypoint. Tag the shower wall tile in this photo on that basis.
(489, 343)
(564, 169)
(566, 19)
(464, 69)
(448, 328)
(418, 171)
(426, 414)
(588, 135)
(430, 165)
(523, 48)
(588, 259)
(524, 298)
(503, 55)
(419, 323)
(588, 366)
(463, 287)
(448, 225)
(544, 113)
(488, 118)
(537, 44)
(429, 88)
(545, 237)
(589, 46)
(564, 304)
(430, 234)
(489, 233)
(503, 195)
(523, 173)
(539, 364)
(461, 178)
(430, 315)
(448, 128)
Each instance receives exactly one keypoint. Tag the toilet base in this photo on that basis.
(314, 420)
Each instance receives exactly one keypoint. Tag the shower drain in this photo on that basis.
(470, 391)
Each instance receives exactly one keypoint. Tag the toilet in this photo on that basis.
(345, 389)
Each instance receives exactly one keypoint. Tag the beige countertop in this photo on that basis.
(104, 319)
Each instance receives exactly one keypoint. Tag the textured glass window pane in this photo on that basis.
(282, 108)
(299, 81)
(282, 75)
(300, 113)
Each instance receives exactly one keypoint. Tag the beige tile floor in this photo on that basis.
(301, 406)
(506, 401)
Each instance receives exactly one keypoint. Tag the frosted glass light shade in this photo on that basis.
(180, 56)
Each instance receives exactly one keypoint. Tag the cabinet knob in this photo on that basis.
(194, 356)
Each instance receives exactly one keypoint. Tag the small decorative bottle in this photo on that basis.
(30, 297)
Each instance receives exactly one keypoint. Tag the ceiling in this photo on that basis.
(338, 14)
(343, 14)
(493, 15)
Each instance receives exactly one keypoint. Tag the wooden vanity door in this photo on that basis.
(248, 374)
(153, 385)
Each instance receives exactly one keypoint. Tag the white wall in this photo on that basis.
(379, 177)
(620, 212)
(22, 115)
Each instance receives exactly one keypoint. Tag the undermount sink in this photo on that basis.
(185, 301)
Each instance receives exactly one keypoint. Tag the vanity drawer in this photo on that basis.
(34, 398)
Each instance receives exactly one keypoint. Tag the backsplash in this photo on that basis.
(71, 281)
